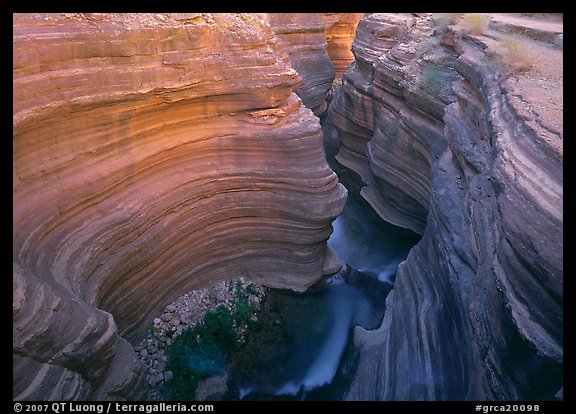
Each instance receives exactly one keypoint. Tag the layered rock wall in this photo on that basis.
(390, 126)
(153, 154)
(476, 311)
(340, 33)
(304, 36)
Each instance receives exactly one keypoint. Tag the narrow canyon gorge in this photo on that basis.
(156, 154)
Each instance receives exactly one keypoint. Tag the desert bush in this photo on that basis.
(427, 45)
(445, 20)
(516, 53)
(475, 23)
(433, 78)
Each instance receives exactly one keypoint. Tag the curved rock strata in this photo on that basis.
(390, 124)
(340, 32)
(153, 154)
(304, 37)
(476, 310)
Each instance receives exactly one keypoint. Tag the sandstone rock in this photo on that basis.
(152, 349)
(304, 37)
(390, 129)
(332, 263)
(170, 308)
(133, 185)
(340, 32)
(476, 310)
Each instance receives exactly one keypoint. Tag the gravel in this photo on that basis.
(185, 312)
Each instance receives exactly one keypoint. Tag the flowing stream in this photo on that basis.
(305, 350)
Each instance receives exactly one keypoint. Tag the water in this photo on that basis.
(316, 355)
(304, 349)
(300, 352)
(370, 245)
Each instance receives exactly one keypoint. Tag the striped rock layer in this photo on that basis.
(304, 37)
(340, 33)
(153, 154)
(442, 144)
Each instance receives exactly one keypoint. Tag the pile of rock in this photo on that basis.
(185, 312)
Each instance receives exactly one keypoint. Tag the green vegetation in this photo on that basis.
(424, 47)
(475, 23)
(205, 350)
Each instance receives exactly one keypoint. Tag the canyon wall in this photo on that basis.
(443, 143)
(153, 154)
(304, 37)
(318, 45)
(390, 128)
(340, 32)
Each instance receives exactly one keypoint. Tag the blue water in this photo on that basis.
(368, 244)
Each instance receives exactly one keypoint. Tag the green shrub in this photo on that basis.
(442, 22)
(200, 352)
(204, 350)
(218, 330)
(427, 45)
(243, 310)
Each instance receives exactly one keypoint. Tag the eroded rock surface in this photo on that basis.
(340, 33)
(475, 153)
(304, 36)
(153, 154)
(390, 126)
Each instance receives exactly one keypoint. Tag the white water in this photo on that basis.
(364, 243)
(324, 368)
(322, 371)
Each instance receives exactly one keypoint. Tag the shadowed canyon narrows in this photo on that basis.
(154, 154)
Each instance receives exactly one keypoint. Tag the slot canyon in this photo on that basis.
(393, 181)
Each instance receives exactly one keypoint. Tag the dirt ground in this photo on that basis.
(535, 66)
